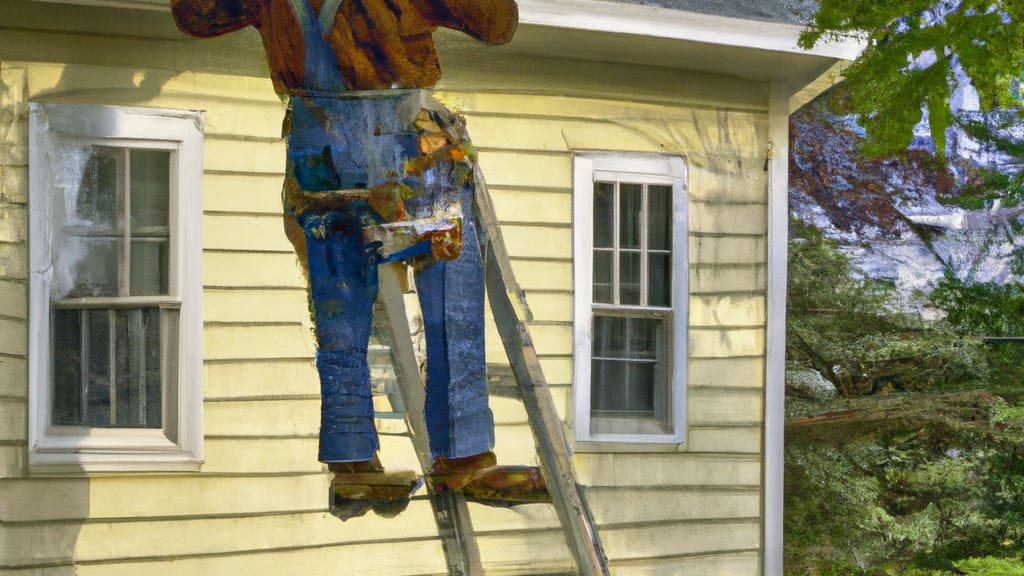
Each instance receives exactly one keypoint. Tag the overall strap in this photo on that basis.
(322, 71)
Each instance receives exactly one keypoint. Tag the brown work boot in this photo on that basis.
(454, 473)
(480, 479)
(359, 487)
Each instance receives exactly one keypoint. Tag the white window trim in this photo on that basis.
(178, 446)
(640, 168)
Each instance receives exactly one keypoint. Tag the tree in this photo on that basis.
(918, 52)
(840, 325)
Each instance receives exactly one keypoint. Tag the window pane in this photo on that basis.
(639, 398)
(91, 182)
(153, 371)
(630, 204)
(67, 368)
(97, 386)
(604, 214)
(609, 337)
(86, 267)
(138, 365)
(150, 189)
(149, 267)
(608, 385)
(659, 217)
(629, 278)
(628, 370)
(643, 337)
(659, 280)
(603, 277)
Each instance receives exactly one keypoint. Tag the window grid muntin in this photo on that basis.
(124, 300)
(644, 251)
(661, 385)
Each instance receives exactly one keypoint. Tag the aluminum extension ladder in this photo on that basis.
(508, 305)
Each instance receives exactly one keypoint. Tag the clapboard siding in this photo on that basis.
(417, 558)
(267, 378)
(697, 565)
(259, 505)
(13, 275)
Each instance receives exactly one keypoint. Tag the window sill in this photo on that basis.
(595, 447)
(63, 465)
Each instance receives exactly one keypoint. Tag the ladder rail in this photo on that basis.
(508, 304)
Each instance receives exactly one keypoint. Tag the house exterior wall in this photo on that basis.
(259, 503)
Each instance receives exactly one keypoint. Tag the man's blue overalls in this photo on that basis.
(341, 144)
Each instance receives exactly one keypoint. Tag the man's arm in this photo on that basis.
(206, 18)
(492, 21)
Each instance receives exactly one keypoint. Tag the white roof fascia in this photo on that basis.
(656, 21)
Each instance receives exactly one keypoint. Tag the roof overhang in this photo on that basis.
(626, 33)
(656, 36)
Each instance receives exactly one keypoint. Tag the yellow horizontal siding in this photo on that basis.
(14, 377)
(513, 443)
(726, 372)
(597, 469)
(263, 379)
(548, 306)
(13, 178)
(711, 277)
(126, 498)
(726, 342)
(242, 341)
(267, 418)
(712, 185)
(241, 306)
(417, 558)
(542, 275)
(726, 439)
(245, 233)
(712, 407)
(14, 299)
(610, 506)
(652, 541)
(728, 250)
(246, 269)
(728, 310)
(725, 218)
(733, 564)
(13, 336)
(244, 156)
(13, 419)
(533, 552)
(13, 460)
(119, 540)
(248, 193)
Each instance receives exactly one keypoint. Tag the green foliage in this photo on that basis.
(982, 308)
(920, 495)
(989, 566)
(983, 38)
(840, 325)
(988, 309)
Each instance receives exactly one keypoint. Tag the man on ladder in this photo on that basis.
(378, 171)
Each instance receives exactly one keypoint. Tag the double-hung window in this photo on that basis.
(116, 326)
(630, 273)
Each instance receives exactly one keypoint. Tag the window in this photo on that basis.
(631, 271)
(115, 320)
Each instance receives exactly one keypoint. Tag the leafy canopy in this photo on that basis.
(917, 52)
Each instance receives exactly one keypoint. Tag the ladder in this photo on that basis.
(508, 305)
